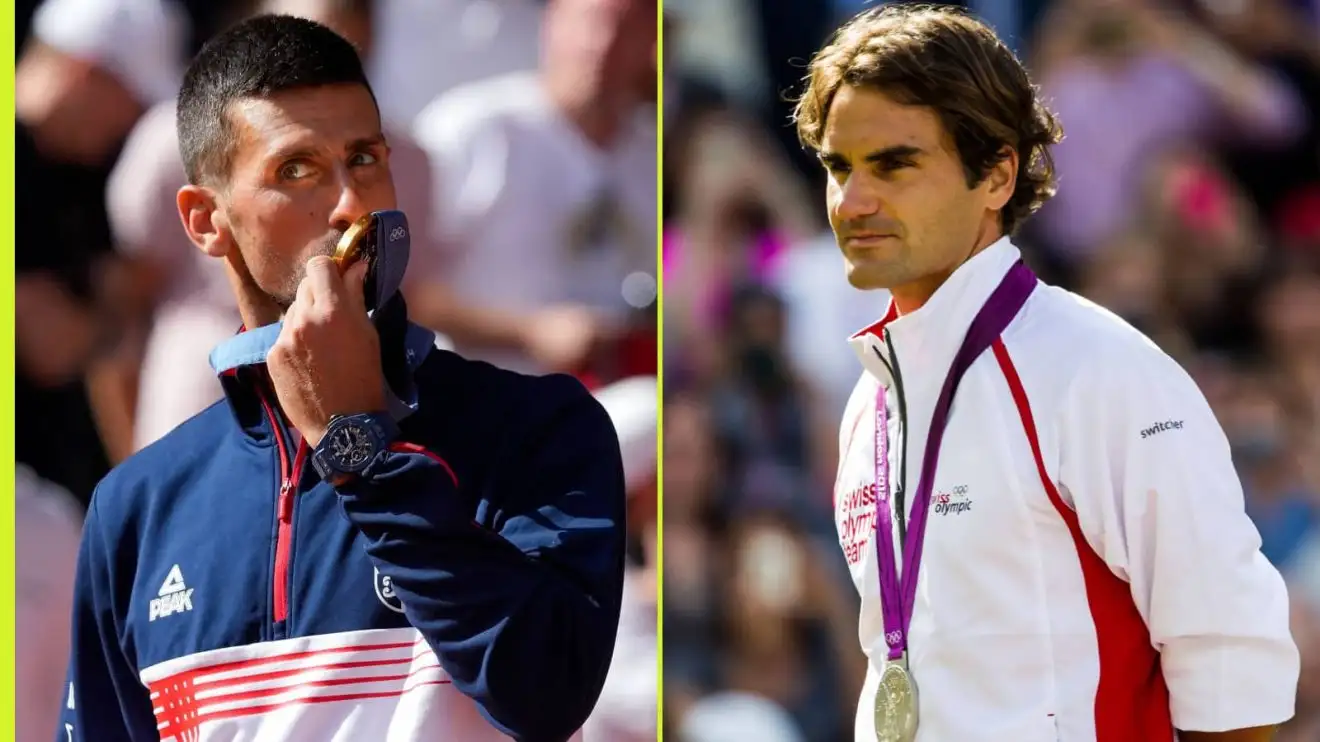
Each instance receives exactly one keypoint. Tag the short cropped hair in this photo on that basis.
(258, 57)
(943, 59)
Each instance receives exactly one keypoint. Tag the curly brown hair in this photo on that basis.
(941, 58)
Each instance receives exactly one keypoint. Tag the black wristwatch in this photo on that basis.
(351, 444)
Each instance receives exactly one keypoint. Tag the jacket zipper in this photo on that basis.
(290, 476)
(900, 491)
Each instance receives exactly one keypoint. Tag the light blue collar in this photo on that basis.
(250, 348)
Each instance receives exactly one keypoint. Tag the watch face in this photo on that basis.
(351, 447)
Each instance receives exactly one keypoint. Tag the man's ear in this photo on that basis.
(204, 220)
(1001, 181)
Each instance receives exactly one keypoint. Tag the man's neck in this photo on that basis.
(255, 307)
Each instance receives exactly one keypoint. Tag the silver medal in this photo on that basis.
(896, 705)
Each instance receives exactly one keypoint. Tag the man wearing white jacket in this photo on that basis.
(1047, 533)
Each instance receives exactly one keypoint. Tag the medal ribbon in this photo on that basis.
(897, 597)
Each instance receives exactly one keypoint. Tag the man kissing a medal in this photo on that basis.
(1031, 568)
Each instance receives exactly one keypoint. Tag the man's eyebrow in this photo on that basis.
(296, 150)
(897, 152)
(361, 143)
(879, 156)
(829, 158)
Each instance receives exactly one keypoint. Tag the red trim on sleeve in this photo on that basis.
(405, 447)
(1131, 697)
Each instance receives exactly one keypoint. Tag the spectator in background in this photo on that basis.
(48, 525)
(694, 567)
(766, 417)
(546, 195)
(1210, 244)
(818, 314)
(626, 711)
(790, 629)
(183, 303)
(1278, 500)
(94, 66)
(56, 328)
(736, 715)
(1277, 35)
(1127, 277)
(1289, 315)
(739, 208)
(1144, 70)
(1305, 727)
(107, 61)
(425, 48)
(755, 608)
(77, 92)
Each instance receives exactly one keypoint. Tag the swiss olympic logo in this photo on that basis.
(954, 502)
(397, 234)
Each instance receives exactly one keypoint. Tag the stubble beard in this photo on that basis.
(289, 291)
(872, 274)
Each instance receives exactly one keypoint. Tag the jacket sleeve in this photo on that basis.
(1148, 469)
(103, 697)
(522, 615)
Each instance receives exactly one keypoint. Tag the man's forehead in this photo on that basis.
(312, 118)
(865, 118)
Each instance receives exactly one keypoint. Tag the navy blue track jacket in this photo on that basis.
(225, 592)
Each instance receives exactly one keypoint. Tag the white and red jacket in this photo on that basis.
(1089, 572)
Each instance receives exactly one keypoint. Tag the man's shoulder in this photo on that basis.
(478, 388)
(481, 417)
(137, 483)
(1073, 332)
(1066, 344)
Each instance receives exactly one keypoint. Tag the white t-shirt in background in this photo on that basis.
(139, 41)
(529, 212)
(421, 49)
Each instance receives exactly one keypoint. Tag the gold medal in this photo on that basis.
(358, 243)
(896, 705)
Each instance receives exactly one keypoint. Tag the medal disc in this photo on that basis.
(895, 705)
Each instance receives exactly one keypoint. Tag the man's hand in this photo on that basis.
(327, 359)
(563, 337)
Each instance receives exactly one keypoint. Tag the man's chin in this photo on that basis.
(869, 277)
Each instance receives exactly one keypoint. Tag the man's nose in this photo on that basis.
(350, 207)
(856, 200)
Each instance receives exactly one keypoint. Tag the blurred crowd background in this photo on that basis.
(1189, 204)
(524, 141)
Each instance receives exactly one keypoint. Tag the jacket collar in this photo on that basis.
(927, 339)
(240, 363)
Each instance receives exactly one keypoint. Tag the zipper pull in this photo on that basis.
(286, 501)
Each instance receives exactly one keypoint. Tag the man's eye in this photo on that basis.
(837, 168)
(363, 158)
(294, 170)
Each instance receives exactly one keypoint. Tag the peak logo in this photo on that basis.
(955, 502)
(174, 596)
(1160, 427)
